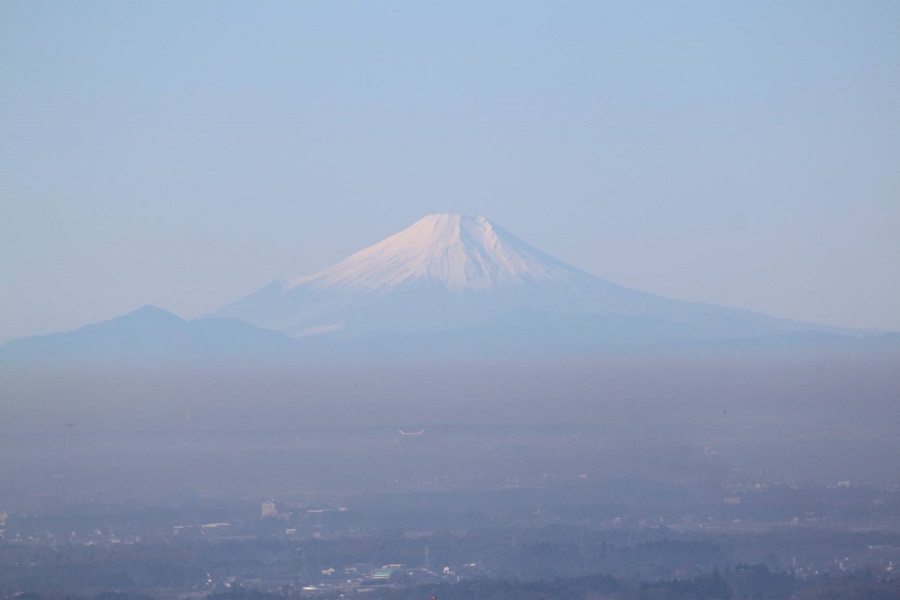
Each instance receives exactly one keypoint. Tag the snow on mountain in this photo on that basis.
(451, 272)
(457, 251)
(448, 287)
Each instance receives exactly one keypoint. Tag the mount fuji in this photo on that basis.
(449, 287)
(463, 277)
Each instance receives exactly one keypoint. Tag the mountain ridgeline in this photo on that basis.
(447, 286)
(460, 273)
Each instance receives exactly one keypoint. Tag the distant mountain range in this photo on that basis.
(151, 334)
(449, 285)
(454, 273)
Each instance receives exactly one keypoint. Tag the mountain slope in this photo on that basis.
(151, 335)
(449, 287)
(455, 272)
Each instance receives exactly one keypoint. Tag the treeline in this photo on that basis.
(597, 587)
(744, 582)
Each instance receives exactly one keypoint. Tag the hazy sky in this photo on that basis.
(186, 153)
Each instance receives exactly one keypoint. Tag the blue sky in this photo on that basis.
(186, 153)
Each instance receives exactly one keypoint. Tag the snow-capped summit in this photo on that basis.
(448, 286)
(442, 272)
(450, 272)
(456, 251)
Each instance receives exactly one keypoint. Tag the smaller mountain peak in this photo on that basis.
(151, 312)
(149, 309)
